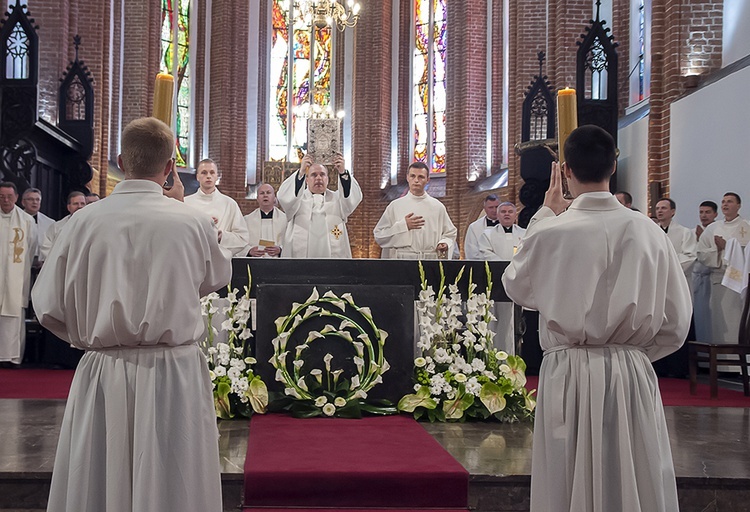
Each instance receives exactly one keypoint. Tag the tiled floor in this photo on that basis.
(709, 446)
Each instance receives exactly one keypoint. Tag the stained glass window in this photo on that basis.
(429, 85)
(290, 89)
(178, 66)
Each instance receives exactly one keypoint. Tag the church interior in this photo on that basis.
(467, 86)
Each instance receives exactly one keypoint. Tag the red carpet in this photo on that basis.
(377, 462)
(676, 392)
(35, 383)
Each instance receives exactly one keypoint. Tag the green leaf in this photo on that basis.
(421, 399)
(492, 397)
(221, 401)
(257, 392)
(350, 410)
(454, 409)
(380, 410)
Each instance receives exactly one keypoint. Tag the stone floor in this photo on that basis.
(710, 446)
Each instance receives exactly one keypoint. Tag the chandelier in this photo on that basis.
(325, 13)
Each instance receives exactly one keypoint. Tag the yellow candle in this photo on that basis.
(163, 94)
(567, 118)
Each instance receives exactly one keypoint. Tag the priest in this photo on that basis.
(139, 430)
(683, 239)
(316, 216)
(476, 228)
(224, 210)
(499, 243)
(726, 304)
(266, 225)
(18, 245)
(416, 226)
(701, 278)
(31, 199)
(611, 297)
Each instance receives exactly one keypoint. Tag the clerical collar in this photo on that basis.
(36, 218)
(509, 229)
(665, 228)
(264, 215)
(491, 223)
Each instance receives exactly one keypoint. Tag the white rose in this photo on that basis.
(460, 377)
(420, 362)
(329, 409)
(339, 402)
(321, 401)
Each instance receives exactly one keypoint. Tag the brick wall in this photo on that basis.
(686, 37)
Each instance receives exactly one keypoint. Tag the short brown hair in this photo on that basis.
(147, 146)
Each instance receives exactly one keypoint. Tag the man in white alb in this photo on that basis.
(476, 228)
(499, 243)
(76, 201)
(31, 199)
(611, 297)
(139, 430)
(683, 239)
(18, 244)
(726, 304)
(416, 226)
(707, 213)
(316, 216)
(266, 225)
(224, 210)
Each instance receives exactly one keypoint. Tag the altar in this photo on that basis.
(386, 288)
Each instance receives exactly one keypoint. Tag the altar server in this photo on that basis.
(139, 430)
(476, 228)
(707, 213)
(224, 210)
(18, 244)
(416, 226)
(611, 298)
(726, 304)
(316, 216)
(266, 225)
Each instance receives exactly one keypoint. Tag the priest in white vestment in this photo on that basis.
(18, 245)
(701, 277)
(224, 210)
(76, 201)
(611, 297)
(499, 243)
(316, 216)
(476, 228)
(416, 226)
(266, 226)
(139, 430)
(31, 199)
(683, 239)
(726, 304)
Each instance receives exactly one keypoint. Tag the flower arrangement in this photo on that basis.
(458, 373)
(338, 388)
(237, 390)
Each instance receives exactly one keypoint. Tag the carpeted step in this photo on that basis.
(267, 509)
(379, 462)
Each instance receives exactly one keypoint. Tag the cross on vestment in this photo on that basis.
(336, 232)
(742, 231)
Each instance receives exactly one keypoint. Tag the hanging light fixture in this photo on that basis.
(326, 13)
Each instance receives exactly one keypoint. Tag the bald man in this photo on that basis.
(316, 216)
(266, 225)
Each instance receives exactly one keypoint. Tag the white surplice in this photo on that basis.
(316, 223)
(415, 244)
(272, 229)
(471, 241)
(123, 282)
(18, 246)
(43, 223)
(684, 243)
(611, 296)
(497, 245)
(726, 305)
(52, 233)
(234, 235)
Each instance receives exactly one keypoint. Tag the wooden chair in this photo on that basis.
(702, 352)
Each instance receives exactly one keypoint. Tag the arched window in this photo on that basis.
(175, 60)
(429, 83)
(292, 98)
(640, 50)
